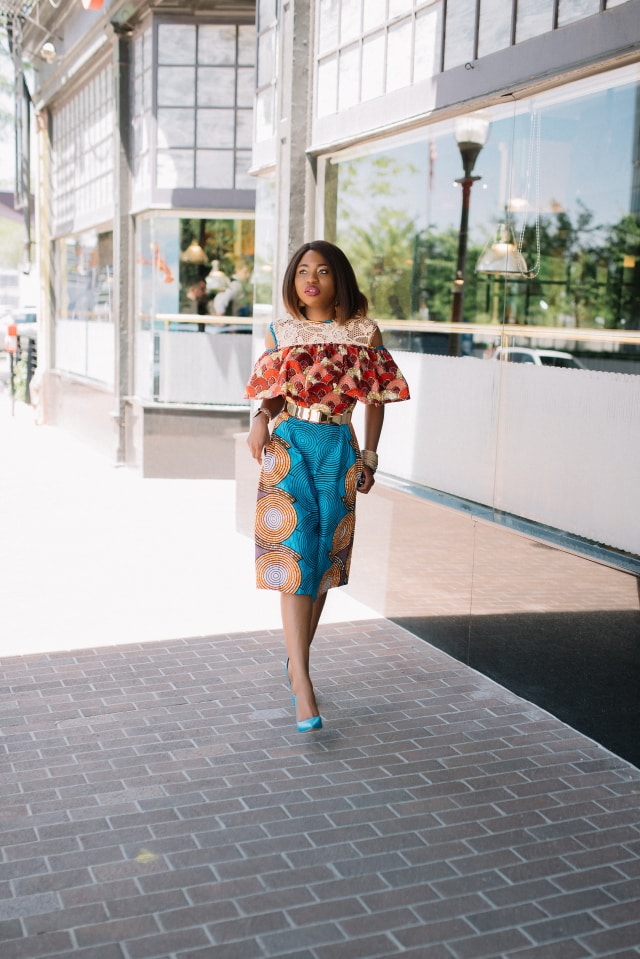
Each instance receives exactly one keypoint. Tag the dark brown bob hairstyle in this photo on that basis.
(350, 300)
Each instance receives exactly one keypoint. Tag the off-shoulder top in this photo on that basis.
(327, 365)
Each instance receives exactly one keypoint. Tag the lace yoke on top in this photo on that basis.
(290, 331)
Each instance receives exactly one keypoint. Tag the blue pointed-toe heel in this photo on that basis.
(288, 678)
(307, 725)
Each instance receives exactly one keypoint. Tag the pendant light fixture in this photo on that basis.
(501, 255)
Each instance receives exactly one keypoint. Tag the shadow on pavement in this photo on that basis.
(583, 668)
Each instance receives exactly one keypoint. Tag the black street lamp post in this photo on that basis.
(471, 135)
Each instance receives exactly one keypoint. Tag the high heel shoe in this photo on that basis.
(306, 725)
(288, 678)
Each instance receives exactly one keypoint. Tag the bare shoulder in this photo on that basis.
(376, 335)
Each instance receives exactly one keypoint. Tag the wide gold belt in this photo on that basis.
(312, 415)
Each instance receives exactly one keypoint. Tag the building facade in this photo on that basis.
(479, 162)
(145, 213)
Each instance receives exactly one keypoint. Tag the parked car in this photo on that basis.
(523, 354)
(26, 322)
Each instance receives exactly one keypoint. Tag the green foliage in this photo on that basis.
(589, 274)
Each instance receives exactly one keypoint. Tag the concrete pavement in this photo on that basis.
(92, 555)
(158, 803)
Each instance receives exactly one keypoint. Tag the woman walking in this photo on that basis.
(321, 358)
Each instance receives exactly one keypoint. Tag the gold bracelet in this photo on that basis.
(262, 409)
(370, 459)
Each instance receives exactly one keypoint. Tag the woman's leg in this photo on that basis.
(316, 613)
(297, 617)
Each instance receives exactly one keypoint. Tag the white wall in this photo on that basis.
(201, 368)
(556, 446)
(86, 348)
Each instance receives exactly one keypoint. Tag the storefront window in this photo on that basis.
(85, 277)
(574, 210)
(84, 330)
(194, 308)
(177, 256)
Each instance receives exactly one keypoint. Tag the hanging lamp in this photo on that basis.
(501, 255)
(194, 254)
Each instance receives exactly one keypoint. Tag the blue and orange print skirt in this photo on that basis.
(305, 514)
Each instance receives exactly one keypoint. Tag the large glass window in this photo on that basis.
(82, 155)
(265, 244)
(571, 10)
(543, 185)
(368, 49)
(267, 69)
(493, 29)
(85, 277)
(84, 329)
(183, 263)
(141, 99)
(194, 283)
(204, 93)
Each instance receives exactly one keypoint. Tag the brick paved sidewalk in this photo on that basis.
(158, 802)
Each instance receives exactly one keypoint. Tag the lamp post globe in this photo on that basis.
(471, 132)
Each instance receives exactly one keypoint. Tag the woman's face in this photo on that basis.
(315, 285)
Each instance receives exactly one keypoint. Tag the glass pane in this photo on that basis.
(140, 135)
(217, 44)
(426, 61)
(327, 87)
(349, 21)
(176, 86)
(174, 169)
(329, 16)
(244, 181)
(398, 7)
(247, 45)
(399, 55)
(176, 43)
(572, 10)
(373, 14)
(146, 93)
(176, 128)
(373, 66)
(534, 17)
(142, 172)
(246, 87)
(348, 83)
(215, 128)
(461, 16)
(495, 26)
(265, 241)
(266, 58)
(216, 86)
(266, 12)
(264, 115)
(214, 169)
(244, 129)
(147, 54)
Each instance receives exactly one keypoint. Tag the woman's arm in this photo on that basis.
(373, 421)
(259, 430)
